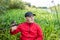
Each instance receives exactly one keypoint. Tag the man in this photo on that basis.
(29, 29)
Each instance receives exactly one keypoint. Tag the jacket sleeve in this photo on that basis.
(39, 33)
(16, 31)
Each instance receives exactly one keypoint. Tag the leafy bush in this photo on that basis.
(47, 21)
(17, 4)
(9, 4)
(4, 5)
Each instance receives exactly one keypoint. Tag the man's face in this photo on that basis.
(30, 19)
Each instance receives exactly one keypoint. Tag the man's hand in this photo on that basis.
(13, 28)
(13, 25)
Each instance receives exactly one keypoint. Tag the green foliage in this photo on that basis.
(9, 4)
(4, 5)
(47, 21)
(17, 4)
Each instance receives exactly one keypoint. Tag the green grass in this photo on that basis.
(46, 20)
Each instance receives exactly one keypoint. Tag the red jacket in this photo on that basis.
(29, 31)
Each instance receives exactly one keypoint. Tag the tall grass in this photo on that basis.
(46, 20)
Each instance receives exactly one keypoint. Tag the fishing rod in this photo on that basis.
(13, 23)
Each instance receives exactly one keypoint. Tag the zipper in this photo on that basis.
(29, 30)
